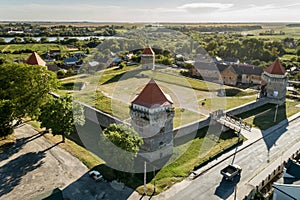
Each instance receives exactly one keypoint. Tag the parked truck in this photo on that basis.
(230, 171)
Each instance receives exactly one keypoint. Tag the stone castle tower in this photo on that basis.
(152, 117)
(274, 83)
(148, 58)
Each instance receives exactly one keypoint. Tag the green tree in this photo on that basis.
(2, 41)
(23, 90)
(61, 115)
(122, 65)
(120, 145)
(44, 40)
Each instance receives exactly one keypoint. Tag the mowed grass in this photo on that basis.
(105, 93)
(40, 48)
(263, 117)
(225, 103)
(184, 116)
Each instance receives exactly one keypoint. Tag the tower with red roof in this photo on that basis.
(152, 116)
(148, 58)
(35, 59)
(274, 82)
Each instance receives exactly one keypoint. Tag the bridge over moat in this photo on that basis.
(230, 121)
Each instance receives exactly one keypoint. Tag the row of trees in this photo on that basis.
(244, 48)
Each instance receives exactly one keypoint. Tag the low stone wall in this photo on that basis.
(248, 107)
(97, 116)
(188, 132)
(181, 134)
(100, 117)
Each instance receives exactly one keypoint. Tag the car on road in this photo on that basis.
(230, 171)
(97, 176)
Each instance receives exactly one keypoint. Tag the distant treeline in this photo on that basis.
(216, 28)
(293, 25)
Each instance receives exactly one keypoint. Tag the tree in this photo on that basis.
(122, 65)
(23, 90)
(61, 115)
(120, 146)
(44, 40)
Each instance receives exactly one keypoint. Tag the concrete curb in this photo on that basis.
(265, 133)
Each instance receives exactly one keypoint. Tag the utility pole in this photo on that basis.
(276, 113)
(154, 180)
(145, 177)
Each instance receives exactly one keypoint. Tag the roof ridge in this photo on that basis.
(152, 96)
(276, 68)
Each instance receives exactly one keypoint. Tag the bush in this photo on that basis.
(61, 73)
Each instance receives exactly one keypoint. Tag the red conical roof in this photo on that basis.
(35, 59)
(152, 96)
(276, 68)
(148, 51)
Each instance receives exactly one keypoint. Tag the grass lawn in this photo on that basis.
(184, 116)
(263, 117)
(39, 48)
(224, 102)
(112, 90)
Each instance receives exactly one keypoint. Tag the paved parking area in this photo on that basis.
(34, 165)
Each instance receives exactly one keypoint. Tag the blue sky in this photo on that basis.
(151, 11)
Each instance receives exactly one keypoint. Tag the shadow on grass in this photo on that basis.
(123, 76)
(265, 117)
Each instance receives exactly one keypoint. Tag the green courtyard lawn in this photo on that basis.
(112, 90)
(263, 117)
(225, 103)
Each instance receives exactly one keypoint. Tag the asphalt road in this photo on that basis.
(253, 161)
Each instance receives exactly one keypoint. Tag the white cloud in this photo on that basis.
(206, 5)
(192, 12)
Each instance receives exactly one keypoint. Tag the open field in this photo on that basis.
(39, 48)
(289, 31)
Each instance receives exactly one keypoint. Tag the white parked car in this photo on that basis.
(97, 176)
